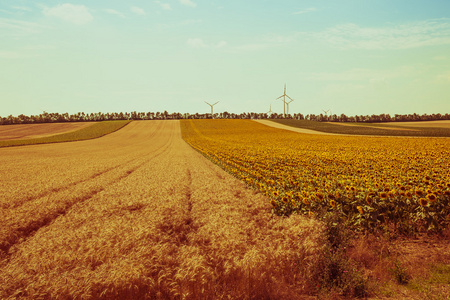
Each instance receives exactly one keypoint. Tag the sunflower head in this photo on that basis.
(332, 203)
(383, 195)
(431, 197)
(419, 192)
(423, 202)
(369, 200)
(305, 201)
(273, 202)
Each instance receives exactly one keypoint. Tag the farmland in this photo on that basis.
(422, 129)
(140, 214)
(32, 134)
(371, 182)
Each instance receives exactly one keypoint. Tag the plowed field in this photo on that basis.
(140, 214)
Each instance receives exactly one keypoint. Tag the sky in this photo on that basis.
(357, 57)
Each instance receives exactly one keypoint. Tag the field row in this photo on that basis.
(370, 182)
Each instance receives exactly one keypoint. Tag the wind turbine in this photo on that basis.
(212, 105)
(284, 100)
(326, 113)
(270, 109)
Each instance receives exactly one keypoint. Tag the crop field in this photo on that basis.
(139, 214)
(31, 134)
(27, 131)
(412, 129)
(371, 183)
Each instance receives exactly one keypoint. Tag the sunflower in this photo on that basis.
(360, 209)
(319, 195)
(431, 197)
(275, 193)
(285, 199)
(408, 195)
(274, 203)
(419, 192)
(447, 193)
(332, 203)
(369, 199)
(305, 201)
(383, 195)
(423, 202)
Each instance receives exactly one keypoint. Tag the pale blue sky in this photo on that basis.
(353, 56)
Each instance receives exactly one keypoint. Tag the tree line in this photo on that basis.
(46, 117)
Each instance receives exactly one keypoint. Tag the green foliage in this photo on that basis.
(400, 273)
(336, 271)
(96, 130)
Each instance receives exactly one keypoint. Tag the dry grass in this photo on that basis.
(139, 214)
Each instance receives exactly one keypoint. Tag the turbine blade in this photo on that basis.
(289, 97)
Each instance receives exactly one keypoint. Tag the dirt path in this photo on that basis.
(295, 129)
(140, 214)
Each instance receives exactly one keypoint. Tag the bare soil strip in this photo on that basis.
(140, 214)
(30, 131)
(295, 129)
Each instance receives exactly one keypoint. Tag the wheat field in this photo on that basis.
(140, 214)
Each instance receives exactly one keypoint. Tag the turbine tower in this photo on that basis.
(212, 105)
(326, 113)
(284, 101)
(270, 109)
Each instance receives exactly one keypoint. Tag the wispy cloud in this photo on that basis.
(164, 6)
(21, 8)
(199, 43)
(304, 11)
(114, 12)
(137, 10)
(75, 14)
(188, 3)
(405, 36)
(9, 55)
(19, 27)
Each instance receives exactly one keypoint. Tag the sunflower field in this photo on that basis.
(371, 183)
